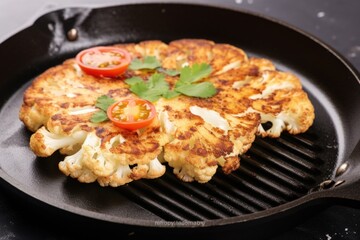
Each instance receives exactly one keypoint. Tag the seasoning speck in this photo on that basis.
(321, 14)
(354, 52)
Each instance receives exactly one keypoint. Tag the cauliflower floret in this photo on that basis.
(280, 100)
(211, 117)
(188, 172)
(74, 166)
(156, 169)
(278, 124)
(295, 115)
(166, 125)
(95, 160)
(124, 174)
(100, 152)
(288, 120)
(90, 164)
(205, 138)
(45, 143)
(32, 118)
(121, 176)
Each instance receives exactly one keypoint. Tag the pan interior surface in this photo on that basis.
(273, 172)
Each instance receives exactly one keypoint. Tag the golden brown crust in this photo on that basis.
(250, 91)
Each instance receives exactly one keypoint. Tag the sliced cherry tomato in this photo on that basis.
(104, 61)
(132, 113)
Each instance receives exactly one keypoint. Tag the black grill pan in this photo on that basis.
(279, 179)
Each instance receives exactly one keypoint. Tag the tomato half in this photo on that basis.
(132, 113)
(104, 61)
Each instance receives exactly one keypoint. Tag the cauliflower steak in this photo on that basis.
(193, 135)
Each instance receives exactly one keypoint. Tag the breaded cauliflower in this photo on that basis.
(100, 152)
(195, 136)
(89, 164)
(282, 102)
(203, 139)
(45, 143)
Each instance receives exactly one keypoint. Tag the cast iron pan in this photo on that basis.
(278, 177)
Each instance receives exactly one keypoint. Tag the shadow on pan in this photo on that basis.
(280, 181)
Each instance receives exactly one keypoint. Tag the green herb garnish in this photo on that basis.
(194, 73)
(170, 72)
(150, 90)
(103, 103)
(201, 90)
(190, 83)
(99, 117)
(149, 62)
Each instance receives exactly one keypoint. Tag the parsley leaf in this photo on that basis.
(171, 94)
(189, 82)
(189, 78)
(150, 90)
(194, 73)
(201, 90)
(102, 102)
(134, 80)
(99, 116)
(149, 62)
(170, 72)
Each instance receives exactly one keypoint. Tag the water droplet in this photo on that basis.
(250, 1)
(238, 1)
(354, 52)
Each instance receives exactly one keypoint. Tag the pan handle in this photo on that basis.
(346, 186)
(346, 194)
